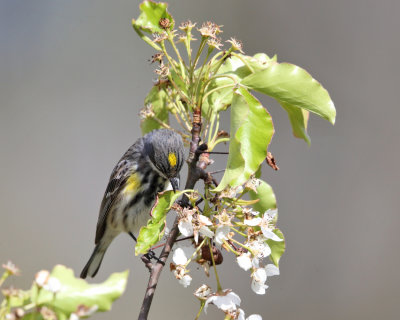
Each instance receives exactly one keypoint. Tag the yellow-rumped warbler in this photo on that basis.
(148, 167)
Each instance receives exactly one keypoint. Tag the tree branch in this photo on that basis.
(197, 162)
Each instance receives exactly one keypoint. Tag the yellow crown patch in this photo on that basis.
(172, 159)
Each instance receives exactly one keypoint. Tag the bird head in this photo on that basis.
(165, 152)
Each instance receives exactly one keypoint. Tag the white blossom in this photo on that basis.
(185, 281)
(241, 316)
(250, 212)
(185, 223)
(221, 234)
(182, 254)
(200, 226)
(42, 277)
(11, 268)
(259, 247)
(272, 270)
(226, 301)
(182, 276)
(267, 225)
(253, 184)
(259, 277)
(203, 292)
(231, 192)
(53, 285)
(224, 218)
(253, 222)
(244, 261)
(186, 228)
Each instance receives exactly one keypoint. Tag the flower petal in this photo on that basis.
(227, 302)
(244, 261)
(270, 214)
(204, 220)
(240, 316)
(258, 287)
(260, 275)
(272, 270)
(203, 291)
(186, 228)
(179, 257)
(266, 251)
(221, 234)
(270, 235)
(53, 285)
(206, 232)
(185, 281)
(253, 222)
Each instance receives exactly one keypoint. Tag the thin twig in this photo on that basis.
(214, 152)
(217, 171)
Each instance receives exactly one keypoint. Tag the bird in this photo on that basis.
(151, 165)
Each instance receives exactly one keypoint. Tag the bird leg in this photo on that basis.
(149, 255)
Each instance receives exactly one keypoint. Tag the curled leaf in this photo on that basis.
(150, 16)
(152, 233)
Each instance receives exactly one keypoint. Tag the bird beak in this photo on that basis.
(174, 183)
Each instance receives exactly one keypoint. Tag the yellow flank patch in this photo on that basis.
(132, 184)
(172, 159)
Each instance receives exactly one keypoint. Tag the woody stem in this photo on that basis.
(197, 162)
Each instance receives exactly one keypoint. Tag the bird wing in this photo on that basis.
(115, 185)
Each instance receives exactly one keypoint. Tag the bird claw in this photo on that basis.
(151, 255)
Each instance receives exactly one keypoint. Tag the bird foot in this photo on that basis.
(151, 255)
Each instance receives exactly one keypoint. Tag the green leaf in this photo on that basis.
(293, 86)
(152, 233)
(157, 98)
(252, 130)
(151, 13)
(266, 196)
(75, 291)
(277, 247)
(238, 67)
(298, 119)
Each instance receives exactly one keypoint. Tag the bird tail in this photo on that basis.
(93, 265)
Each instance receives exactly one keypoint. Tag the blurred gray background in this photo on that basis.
(73, 75)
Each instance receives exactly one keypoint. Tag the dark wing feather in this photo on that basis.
(115, 185)
(117, 181)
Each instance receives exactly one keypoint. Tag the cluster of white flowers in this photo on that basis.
(228, 223)
(181, 258)
(259, 249)
(192, 224)
(225, 300)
